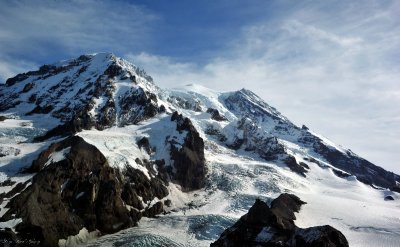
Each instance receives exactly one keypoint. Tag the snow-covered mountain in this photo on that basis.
(91, 145)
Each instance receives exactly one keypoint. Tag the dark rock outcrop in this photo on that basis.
(216, 115)
(79, 191)
(274, 226)
(291, 162)
(349, 162)
(189, 160)
(320, 236)
(389, 198)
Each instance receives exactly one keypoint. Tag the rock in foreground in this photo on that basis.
(274, 226)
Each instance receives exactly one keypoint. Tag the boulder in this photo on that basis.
(274, 226)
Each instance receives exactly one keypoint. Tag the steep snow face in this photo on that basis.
(252, 151)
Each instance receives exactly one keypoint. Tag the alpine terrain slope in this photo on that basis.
(92, 152)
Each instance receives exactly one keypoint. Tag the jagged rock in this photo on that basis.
(284, 208)
(189, 160)
(157, 208)
(2, 118)
(304, 165)
(216, 115)
(340, 173)
(144, 187)
(215, 132)
(194, 105)
(144, 143)
(15, 190)
(265, 226)
(79, 191)
(291, 162)
(320, 236)
(27, 87)
(350, 163)
(137, 105)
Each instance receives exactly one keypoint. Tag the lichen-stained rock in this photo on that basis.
(265, 226)
(74, 188)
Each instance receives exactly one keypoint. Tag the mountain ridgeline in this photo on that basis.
(73, 182)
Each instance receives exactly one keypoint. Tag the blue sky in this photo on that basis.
(332, 65)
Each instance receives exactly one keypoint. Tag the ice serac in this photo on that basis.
(274, 226)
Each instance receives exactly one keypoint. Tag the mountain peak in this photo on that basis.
(91, 86)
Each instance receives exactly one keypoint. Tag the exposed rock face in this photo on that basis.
(349, 162)
(80, 190)
(320, 236)
(299, 168)
(265, 226)
(189, 160)
(216, 115)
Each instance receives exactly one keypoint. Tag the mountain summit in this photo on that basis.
(91, 145)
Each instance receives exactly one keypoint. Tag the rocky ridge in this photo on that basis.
(274, 226)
